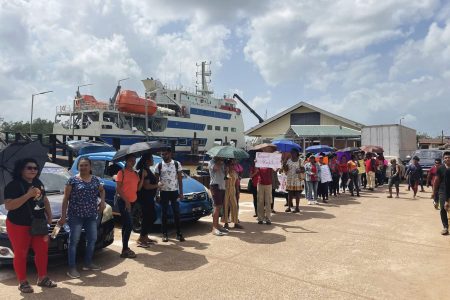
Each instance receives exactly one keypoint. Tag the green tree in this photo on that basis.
(39, 126)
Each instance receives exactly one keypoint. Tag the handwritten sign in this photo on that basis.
(268, 160)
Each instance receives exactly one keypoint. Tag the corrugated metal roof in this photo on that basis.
(322, 131)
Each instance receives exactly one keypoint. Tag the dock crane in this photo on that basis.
(261, 120)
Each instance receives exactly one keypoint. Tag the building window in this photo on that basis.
(218, 142)
(217, 128)
(233, 129)
(209, 127)
(225, 129)
(310, 118)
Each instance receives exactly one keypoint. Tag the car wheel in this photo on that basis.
(136, 214)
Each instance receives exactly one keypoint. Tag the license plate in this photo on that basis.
(196, 209)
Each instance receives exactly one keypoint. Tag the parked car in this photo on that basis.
(427, 158)
(55, 178)
(197, 202)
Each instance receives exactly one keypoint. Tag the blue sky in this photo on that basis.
(370, 61)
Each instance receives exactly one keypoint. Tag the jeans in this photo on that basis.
(76, 224)
(312, 188)
(255, 198)
(172, 197)
(354, 183)
(127, 223)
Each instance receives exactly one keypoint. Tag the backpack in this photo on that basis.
(177, 165)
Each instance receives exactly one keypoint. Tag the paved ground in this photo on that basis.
(352, 248)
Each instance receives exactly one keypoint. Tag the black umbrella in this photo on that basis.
(15, 152)
(350, 149)
(138, 149)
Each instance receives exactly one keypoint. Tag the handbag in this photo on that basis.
(38, 226)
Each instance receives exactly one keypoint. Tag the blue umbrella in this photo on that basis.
(319, 148)
(286, 145)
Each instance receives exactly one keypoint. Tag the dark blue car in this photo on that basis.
(55, 178)
(197, 202)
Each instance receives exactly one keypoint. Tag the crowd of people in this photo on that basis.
(318, 177)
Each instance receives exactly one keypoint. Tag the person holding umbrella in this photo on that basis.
(26, 203)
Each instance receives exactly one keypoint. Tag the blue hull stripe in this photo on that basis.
(186, 125)
(209, 113)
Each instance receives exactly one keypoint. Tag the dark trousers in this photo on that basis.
(444, 217)
(334, 185)
(273, 199)
(172, 197)
(323, 190)
(255, 198)
(344, 179)
(147, 203)
(127, 223)
(364, 180)
(354, 183)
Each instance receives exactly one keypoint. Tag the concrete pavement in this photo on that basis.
(352, 248)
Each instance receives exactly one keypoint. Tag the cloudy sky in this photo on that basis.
(373, 61)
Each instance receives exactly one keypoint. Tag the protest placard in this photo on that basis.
(268, 160)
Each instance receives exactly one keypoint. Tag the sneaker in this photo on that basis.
(224, 230)
(288, 209)
(268, 222)
(444, 231)
(296, 210)
(217, 232)
(165, 238)
(226, 226)
(91, 267)
(238, 226)
(73, 273)
(180, 237)
(260, 222)
(436, 205)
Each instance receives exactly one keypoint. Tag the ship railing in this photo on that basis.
(68, 109)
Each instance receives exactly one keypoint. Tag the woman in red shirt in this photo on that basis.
(343, 170)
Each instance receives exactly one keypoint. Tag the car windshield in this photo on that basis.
(430, 154)
(54, 179)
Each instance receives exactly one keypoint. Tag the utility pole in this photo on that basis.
(32, 104)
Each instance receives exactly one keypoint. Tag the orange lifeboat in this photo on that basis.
(129, 101)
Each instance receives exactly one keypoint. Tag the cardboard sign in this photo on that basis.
(268, 160)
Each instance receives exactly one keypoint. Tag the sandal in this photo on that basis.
(25, 288)
(143, 244)
(47, 282)
(128, 254)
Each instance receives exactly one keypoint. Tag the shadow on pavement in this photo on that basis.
(54, 293)
(171, 260)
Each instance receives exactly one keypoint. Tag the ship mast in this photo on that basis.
(205, 75)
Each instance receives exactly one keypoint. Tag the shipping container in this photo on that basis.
(396, 140)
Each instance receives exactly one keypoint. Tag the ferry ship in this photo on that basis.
(192, 122)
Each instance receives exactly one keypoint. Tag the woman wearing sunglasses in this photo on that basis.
(25, 200)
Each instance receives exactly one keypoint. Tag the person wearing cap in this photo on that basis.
(415, 174)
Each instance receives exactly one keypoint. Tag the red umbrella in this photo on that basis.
(372, 148)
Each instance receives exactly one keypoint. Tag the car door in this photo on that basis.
(103, 168)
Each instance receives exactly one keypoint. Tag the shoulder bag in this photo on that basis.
(38, 226)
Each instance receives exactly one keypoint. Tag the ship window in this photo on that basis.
(209, 127)
(202, 142)
(233, 129)
(225, 129)
(174, 96)
(92, 116)
(217, 128)
(109, 117)
(182, 142)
